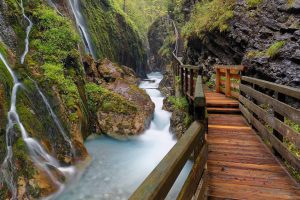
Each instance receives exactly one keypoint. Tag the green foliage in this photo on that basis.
(107, 101)
(54, 37)
(253, 3)
(142, 12)
(168, 45)
(209, 16)
(273, 50)
(113, 34)
(179, 103)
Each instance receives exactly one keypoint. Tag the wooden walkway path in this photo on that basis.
(240, 166)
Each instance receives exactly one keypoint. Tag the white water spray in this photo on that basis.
(75, 6)
(55, 7)
(55, 118)
(28, 29)
(37, 153)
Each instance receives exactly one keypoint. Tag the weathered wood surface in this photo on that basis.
(229, 72)
(289, 91)
(159, 182)
(280, 107)
(240, 165)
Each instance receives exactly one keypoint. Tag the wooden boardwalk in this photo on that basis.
(240, 165)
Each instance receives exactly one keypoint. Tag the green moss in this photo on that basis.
(179, 103)
(273, 50)
(107, 101)
(113, 35)
(54, 74)
(209, 16)
(54, 37)
(253, 3)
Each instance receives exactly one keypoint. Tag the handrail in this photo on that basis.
(229, 72)
(289, 91)
(158, 184)
(275, 116)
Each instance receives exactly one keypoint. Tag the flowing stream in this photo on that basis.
(119, 167)
(75, 6)
(38, 155)
(28, 29)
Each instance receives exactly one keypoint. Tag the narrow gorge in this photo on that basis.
(90, 100)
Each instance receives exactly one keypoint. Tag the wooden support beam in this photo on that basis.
(227, 84)
(218, 79)
(191, 82)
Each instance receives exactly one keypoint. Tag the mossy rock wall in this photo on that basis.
(113, 35)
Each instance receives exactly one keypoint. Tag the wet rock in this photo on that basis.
(121, 109)
(158, 33)
(255, 29)
(7, 34)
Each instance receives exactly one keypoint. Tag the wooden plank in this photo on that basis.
(199, 92)
(232, 71)
(280, 147)
(190, 186)
(231, 67)
(280, 126)
(159, 182)
(203, 187)
(282, 108)
(289, 91)
(234, 191)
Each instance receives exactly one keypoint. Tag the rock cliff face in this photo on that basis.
(106, 101)
(264, 37)
(159, 32)
(113, 36)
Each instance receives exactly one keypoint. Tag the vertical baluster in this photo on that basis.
(181, 79)
(186, 74)
(191, 82)
(280, 97)
(227, 84)
(218, 79)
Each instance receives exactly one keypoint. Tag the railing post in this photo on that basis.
(181, 79)
(280, 97)
(191, 82)
(227, 84)
(218, 79)
(186, 80)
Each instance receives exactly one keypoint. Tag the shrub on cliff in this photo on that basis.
(209, 16)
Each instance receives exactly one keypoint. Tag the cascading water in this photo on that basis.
(75, 6)
(28, 29)
(55, 118)
(119, 167)
(38, 155)
(54, 6)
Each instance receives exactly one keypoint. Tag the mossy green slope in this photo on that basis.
(113, 36)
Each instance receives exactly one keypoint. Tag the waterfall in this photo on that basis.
(80, 22)
(37, 153)
(28, 29)
(54, 6)
(55, 118)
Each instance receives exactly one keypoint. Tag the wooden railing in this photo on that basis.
(268, 107)
(227, 79)
(158, 184)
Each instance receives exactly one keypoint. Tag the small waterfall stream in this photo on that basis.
(81, 24)
(119, 167)
(37, 153)
(28, 29)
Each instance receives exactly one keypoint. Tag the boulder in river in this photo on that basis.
(120, 108)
